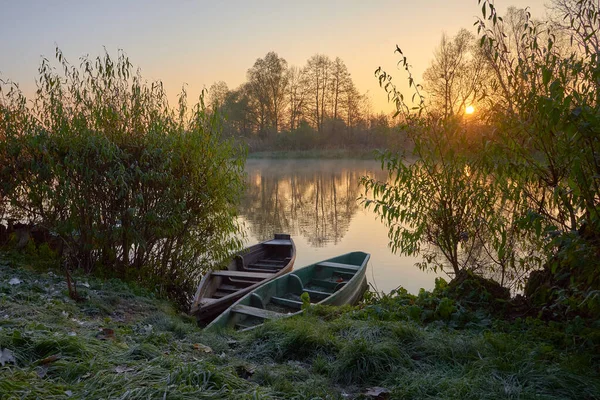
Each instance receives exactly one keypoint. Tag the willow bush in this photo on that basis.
(521, 192)
(442, 201)
(547, 139)
(132, 187)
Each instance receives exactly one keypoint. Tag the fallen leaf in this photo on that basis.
(15, 281)
(49, 359)
(377, 393)
(7, 356)
(105, 334)
(123, 368)
(202, 347)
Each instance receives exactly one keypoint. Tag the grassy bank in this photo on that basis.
(121, 342)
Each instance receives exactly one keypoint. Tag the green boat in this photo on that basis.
(336, 281)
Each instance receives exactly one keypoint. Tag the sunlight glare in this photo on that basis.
(470, 110)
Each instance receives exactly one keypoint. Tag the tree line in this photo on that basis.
(318, 102)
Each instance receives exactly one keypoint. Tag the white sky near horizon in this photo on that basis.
(200, 42)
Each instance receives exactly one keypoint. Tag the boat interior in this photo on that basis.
(284, 295)
(251, 267)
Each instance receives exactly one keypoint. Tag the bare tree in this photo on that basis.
(455, 78)
(297, 92)
(339, 77)
(317, 71)
(352, 102)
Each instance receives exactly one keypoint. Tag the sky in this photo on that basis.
(200, 42)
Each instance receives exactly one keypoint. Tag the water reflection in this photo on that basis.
(316, 202)
(313, 199)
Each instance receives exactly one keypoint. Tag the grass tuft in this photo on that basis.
(361, 361)
(291, 338)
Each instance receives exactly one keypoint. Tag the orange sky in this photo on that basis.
(200, 42)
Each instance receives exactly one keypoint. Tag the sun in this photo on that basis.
(470, 110)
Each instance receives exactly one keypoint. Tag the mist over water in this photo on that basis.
(316, 201)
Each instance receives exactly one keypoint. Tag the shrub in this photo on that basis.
(134, 188)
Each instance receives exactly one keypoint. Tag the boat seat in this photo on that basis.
(246, 282)
(335, 286)
(344, 274)
(255, 312)
(339, 266)
(229, 288)
(324, 283)
(273, 267)
(242, 274)
(287, 302)
(219, 294)
(269, 261)
(317, 293)
(252, 269)
(279, 242)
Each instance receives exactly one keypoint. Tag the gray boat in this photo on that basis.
(249, 269)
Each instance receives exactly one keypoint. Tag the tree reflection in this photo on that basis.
(314, 199)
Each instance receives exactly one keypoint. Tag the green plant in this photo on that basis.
(305, 298)
(441, 201)
(133, 188)
(545, 141)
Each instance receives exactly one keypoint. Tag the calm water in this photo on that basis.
(316, 202)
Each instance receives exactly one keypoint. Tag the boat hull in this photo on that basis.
(337, 281)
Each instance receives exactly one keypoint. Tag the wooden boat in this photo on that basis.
(336, 281)
(248, 269)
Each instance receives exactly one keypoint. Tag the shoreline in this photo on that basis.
(314, 154)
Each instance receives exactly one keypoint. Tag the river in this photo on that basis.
(316, 201)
